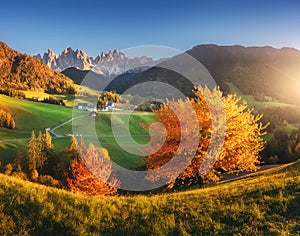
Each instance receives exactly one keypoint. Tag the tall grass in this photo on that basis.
(265, 205)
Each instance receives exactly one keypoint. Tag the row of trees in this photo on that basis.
(51, 100)
(35, 164)
(7, 120)
(12, 93)
(39, 150)
(282, 148)
(68, 169)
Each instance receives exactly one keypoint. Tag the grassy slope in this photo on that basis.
(28, 116)
(252, 102)
(38, 116)
(34, 115)
(265, 205)
(106, 136)
(259, 106)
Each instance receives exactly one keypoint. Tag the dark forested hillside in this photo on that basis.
(78, 75)
(22, 72)
(254, 70)
(266, 70)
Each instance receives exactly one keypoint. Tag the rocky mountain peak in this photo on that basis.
(51, 54)
(103, 55)
(114, 62)
(38, 56)
(68, 50)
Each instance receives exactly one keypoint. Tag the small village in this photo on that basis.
(93, 109)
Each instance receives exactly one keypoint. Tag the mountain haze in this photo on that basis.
(254, 70)
(266, 70)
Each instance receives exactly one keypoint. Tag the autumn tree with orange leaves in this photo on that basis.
(91, 174)
(241, 142)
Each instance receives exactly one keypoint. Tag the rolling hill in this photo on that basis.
(78, 75)
(22, 72)
(273, 72)
(263, 205)
(37, 116)
(29, 116)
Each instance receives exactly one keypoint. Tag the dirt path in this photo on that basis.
(13, 140)
(51, 131)
(61, 125)
(265, 169)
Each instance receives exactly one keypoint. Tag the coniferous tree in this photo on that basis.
(80, 144)
(45, 149)
(42, 156)
(48, 142)
(7, 120)
(33, 155)
(73, 149)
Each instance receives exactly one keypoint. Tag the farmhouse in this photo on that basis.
(91, 108)
(82, 106)
(110, 105)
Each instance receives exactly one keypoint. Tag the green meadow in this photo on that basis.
(252, 102)
(259, 106)
(37, 116)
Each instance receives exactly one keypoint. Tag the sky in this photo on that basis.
(94, 26)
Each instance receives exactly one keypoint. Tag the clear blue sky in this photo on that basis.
(94, 26)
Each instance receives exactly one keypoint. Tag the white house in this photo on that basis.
(82, 106)
(92, 108)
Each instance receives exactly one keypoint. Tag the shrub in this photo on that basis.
(7, 120)
(48, 180)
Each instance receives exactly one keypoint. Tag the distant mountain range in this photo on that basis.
(22, 72)
(111, 63)
(265, 71)
(254, 70)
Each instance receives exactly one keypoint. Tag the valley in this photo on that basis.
(54, 182)
(37, 116)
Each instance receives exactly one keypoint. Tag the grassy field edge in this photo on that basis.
(260, 205)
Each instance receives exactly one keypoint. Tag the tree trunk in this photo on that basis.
(200, 181)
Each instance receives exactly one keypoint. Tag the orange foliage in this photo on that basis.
(93, 175)
(241, 137)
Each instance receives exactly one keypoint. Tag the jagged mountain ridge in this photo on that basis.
(111, 63)
(66, 59)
